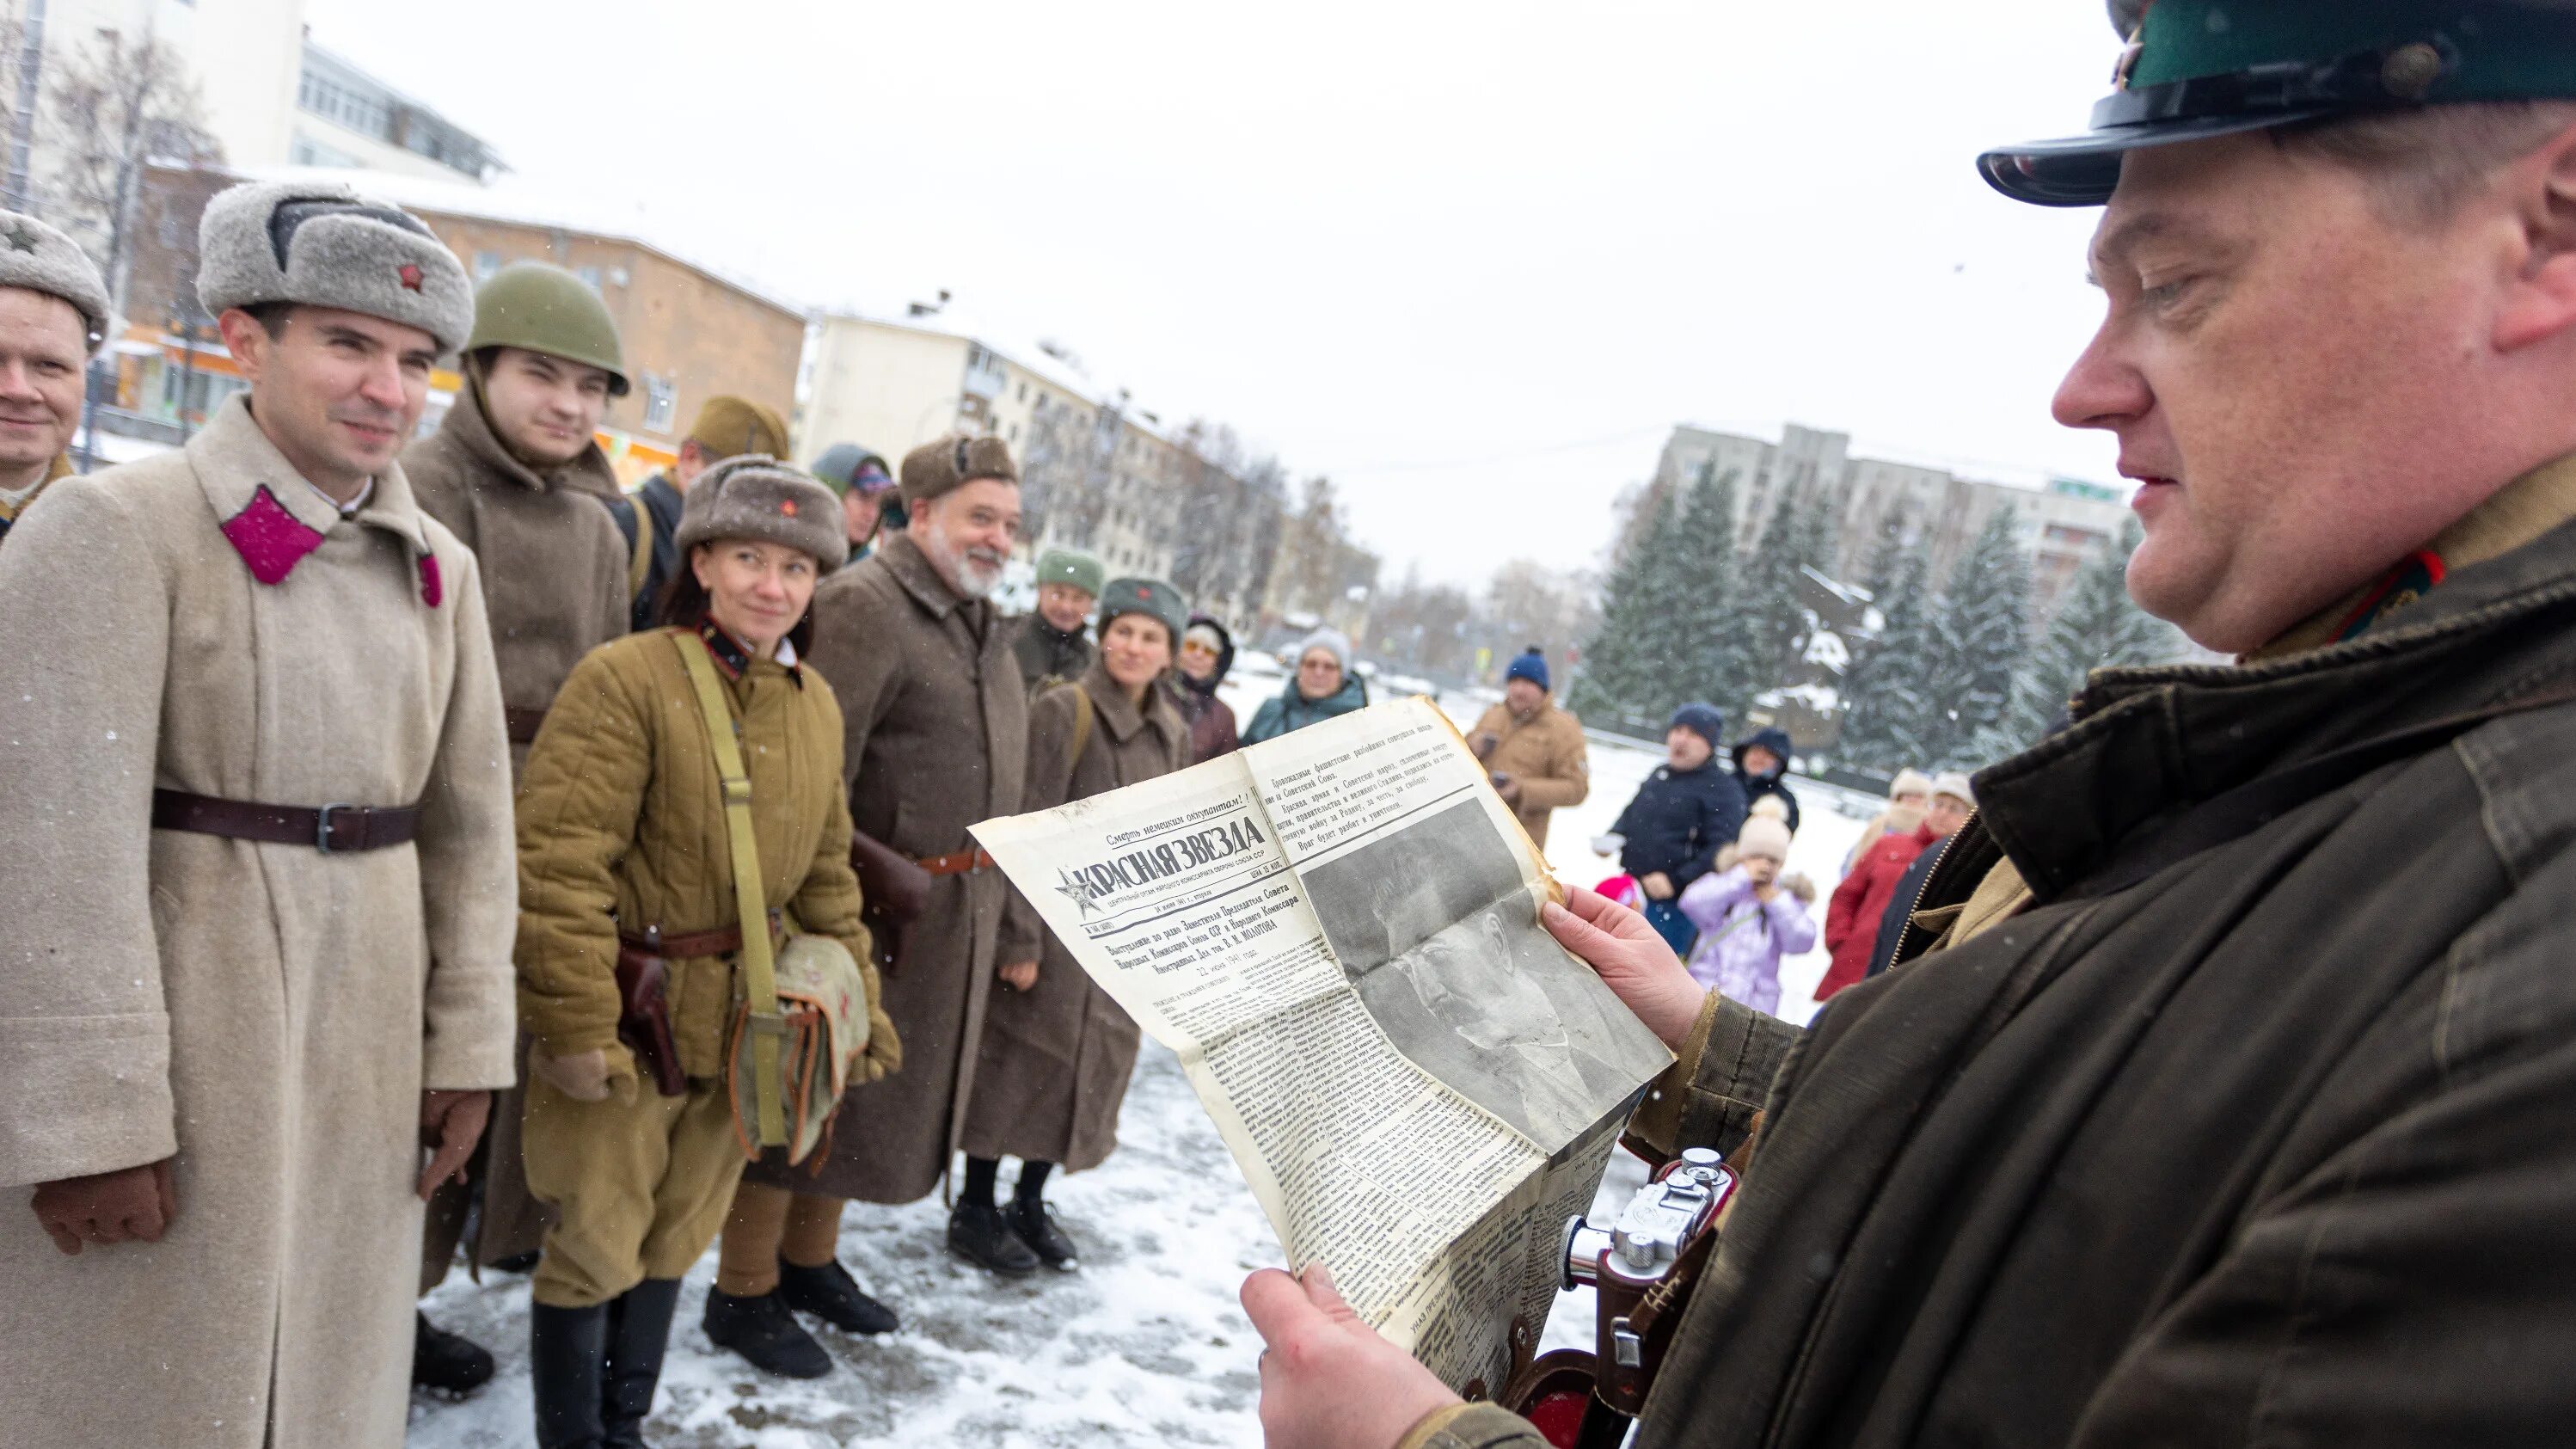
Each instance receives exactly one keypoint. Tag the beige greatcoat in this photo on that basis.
(268, 1013)
(554, 588)
(1053, 1068)
(935, 729)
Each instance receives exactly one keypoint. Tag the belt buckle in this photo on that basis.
(322, 826)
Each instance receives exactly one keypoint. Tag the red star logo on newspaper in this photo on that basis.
(410, 276)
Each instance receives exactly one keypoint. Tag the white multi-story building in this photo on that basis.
(269, 95)
(1100, 470)
(1926, 508)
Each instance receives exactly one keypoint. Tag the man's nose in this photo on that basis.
(2103, 389)
(16, 381)
(382, 383)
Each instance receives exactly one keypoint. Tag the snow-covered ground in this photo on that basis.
(1143, 1346)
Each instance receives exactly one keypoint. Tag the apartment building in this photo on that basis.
(1929, 509)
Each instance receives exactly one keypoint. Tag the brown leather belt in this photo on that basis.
(720, 942)
(523, 723)
(959, 862)
(331, 829)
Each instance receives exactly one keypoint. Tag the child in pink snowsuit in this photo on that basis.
(1748, 918)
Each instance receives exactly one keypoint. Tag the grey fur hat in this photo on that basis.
(320, 244)
(40, 259)
(756, 496)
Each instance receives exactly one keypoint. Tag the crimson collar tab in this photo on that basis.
(732, 658)
(2197, 69)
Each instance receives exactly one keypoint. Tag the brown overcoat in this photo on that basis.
(935, 730)
(554, 588)
(1055, 1059)
(2248, 1129)
(1545, 754)
(269, 1013)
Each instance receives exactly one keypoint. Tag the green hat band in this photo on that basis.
(2340, 56)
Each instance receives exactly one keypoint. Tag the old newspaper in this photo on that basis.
(1337, 931)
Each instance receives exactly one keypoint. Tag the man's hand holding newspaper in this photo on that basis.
(1349, 942)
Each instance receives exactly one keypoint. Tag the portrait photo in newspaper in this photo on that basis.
(1435, 927)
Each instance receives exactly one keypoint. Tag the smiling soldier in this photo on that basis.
(2219, 1096)
(53, 316)
(516, 472)
(259, 893)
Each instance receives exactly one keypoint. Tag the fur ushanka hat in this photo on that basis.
(757, 496)
(320, 244)
(37, 258)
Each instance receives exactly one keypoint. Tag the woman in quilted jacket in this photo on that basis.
(623, 842)
(1750, 916)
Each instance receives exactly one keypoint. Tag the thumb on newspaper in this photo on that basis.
(1632, 959)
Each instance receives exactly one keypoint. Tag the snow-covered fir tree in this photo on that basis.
(1711, 635)
(1773, 616)
(1985, 634)
(2097, 626)
(1890, 690)
(1631, 664)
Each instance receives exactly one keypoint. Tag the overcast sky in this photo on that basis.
(1472, 261)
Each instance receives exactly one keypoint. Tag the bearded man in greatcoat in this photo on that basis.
(260, 891)
(515, 471)
(936, 723)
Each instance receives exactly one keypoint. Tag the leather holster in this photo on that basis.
(644, 1018)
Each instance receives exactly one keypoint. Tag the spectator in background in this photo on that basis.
(1750, 916)
(1953, 801)
(1685, 813)
(1207, 655)
(1533, 749)
(1761, 762)
(1323, 688)
(649, 518)
(1861, 901)
(866, 489)
(1054, 643)
(1910, 792)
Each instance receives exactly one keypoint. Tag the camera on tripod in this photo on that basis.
(1640, 1269)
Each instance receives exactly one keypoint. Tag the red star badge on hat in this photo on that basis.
(787, 506)
(410, 275)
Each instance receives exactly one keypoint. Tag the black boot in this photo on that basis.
(763, 1331)
(567, 1348)
(979, 1232)
(829, 1293)
(518, 1262)
(639, 1329)
(1036, 1226)
(448, 1362)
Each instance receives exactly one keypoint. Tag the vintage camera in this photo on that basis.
(1640, 1269)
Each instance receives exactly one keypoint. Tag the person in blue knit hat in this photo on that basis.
(1532, 749)
(1687, 811)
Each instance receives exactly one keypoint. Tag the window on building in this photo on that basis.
(589, 276)
(1024, 390)
(1015, 432)
(661, 400)
(485, 264)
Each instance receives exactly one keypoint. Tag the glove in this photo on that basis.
(884, 1056)
(129, 1204)
(1609, 844)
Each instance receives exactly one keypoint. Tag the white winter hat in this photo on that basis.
(1909, 781)
(37, 258)
(1769, 808)
(320, 244)
(1955, 785)
(1765, 837)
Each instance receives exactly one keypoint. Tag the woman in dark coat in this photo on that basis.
(1325, 686)
(1057, 1052)
(1207, 655)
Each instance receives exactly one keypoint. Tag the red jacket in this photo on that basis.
(1860, 902)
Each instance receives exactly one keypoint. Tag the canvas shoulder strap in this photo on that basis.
(1081, 728)
(639, 564)
(759, 974)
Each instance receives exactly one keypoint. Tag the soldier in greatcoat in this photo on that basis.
(259, 899)
(53, 318)
(515, 471)
(936, 720)
(1057, 1051)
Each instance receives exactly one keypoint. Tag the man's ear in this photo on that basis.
(246, 338)
(2542, 303)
